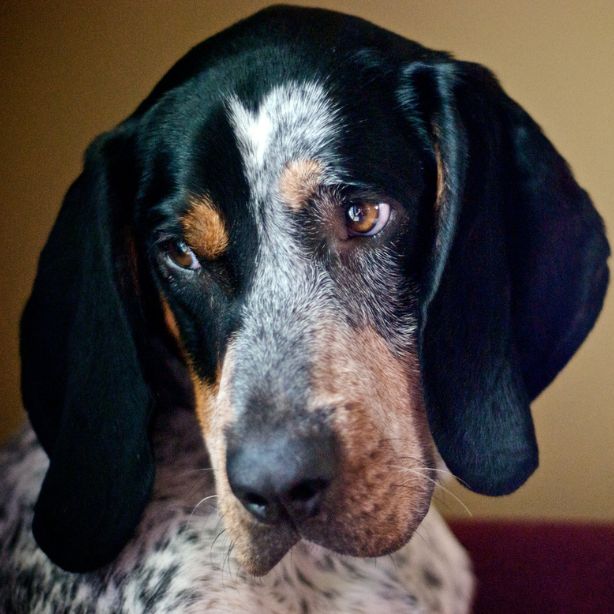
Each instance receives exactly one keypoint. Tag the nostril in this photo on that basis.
(303, 500)
(252, 498)
(260, 507)
(307, 490)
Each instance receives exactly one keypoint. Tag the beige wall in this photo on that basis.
(70, 70)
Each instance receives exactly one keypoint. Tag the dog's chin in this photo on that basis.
(258, 550)
(368, 546)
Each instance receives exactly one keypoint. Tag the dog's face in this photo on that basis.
(356, 253)
(286, 253)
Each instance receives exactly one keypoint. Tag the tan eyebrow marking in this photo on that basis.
(204, 229)
(299, 182)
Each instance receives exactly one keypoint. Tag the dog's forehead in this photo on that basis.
(312, 133)
(257, 137)
(293, 121)
(280, 139)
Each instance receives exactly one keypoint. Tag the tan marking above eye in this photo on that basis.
(299, 181)
(204, 229)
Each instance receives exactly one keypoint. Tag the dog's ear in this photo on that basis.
(82, 380)
(516, 277)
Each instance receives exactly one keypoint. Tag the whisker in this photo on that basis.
(422, 537)
(423, 468)
(215, 539)
(205, 499)
(227, 560)
(439, 470)
(191, 471)
(394, 561)
(437, 484)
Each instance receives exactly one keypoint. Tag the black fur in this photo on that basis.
(517, 282)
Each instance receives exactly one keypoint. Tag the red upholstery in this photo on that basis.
(535, 567)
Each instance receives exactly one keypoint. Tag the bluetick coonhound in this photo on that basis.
(349, 254)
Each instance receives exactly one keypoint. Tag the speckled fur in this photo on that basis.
(180, 560)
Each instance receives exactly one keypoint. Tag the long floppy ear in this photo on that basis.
(516, 277)
(82, 381)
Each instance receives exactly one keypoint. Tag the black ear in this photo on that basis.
(516, 277)
(82, 380)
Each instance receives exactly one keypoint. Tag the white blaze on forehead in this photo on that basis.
(293, 121)
(254, 131)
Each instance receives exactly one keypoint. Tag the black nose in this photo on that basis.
(277, 477)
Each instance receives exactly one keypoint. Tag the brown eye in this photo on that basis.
(366, 219)
(180, 255)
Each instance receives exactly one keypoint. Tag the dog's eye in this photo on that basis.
(366, 219)
(179, 254)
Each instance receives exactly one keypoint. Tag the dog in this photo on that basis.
(333, 255)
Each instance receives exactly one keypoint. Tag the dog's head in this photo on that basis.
(357, 245)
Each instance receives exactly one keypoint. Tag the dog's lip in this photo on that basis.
(327, 533)
(262, 562)
(357, 549)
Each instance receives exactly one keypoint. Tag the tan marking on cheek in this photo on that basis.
(299, 182)
(383, 490)
(204, 229)
(204, 392)
(171, 322)
(441, 178)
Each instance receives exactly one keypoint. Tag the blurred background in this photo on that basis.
(70, 70)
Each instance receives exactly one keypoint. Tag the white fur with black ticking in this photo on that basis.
(299, 121)
(180, 560)
(294, 121)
